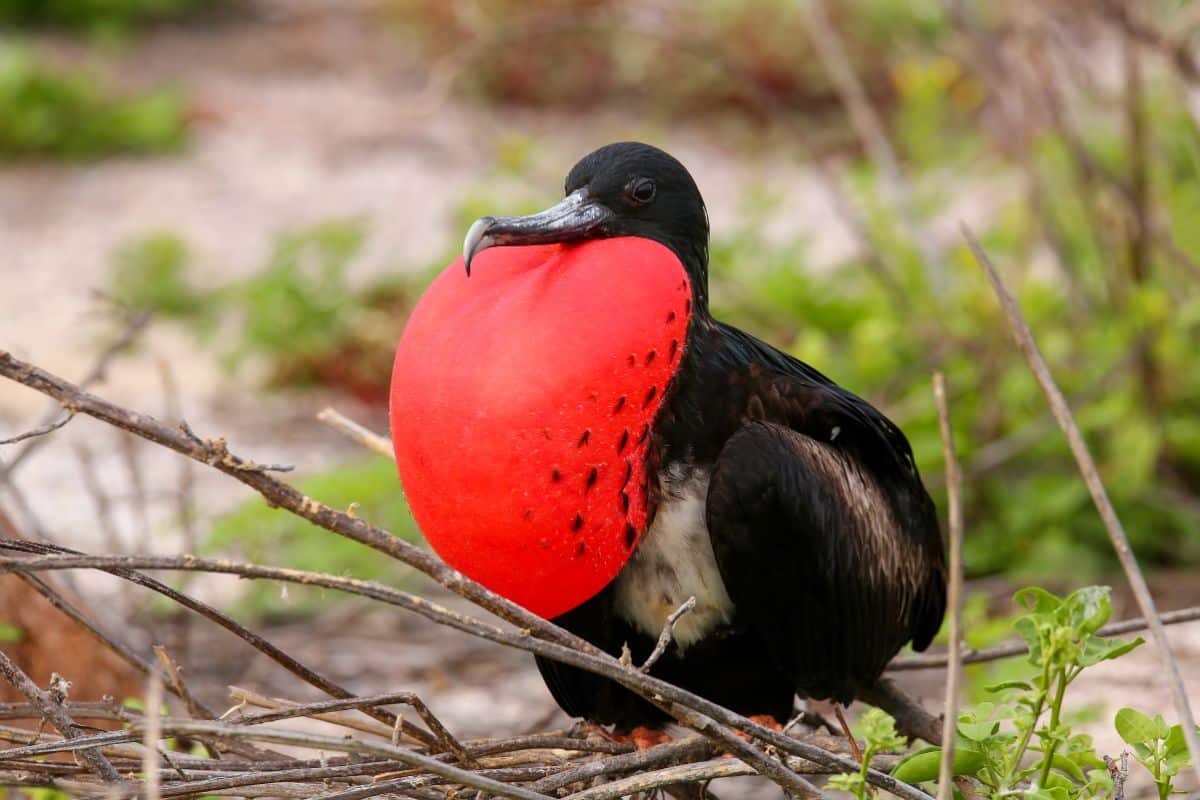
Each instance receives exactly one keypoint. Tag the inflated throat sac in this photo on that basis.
(522, 403)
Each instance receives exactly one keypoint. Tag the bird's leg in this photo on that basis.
(858, 754)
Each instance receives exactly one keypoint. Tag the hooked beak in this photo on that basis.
(576, 217)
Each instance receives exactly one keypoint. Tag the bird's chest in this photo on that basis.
(673, 562)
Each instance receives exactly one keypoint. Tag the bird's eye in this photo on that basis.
(640, 191)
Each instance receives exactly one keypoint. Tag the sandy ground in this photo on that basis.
(308, 113)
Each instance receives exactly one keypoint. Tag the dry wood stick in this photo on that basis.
(53, 710)
(352, 430)
(954, 594)
(1091, 476)
(603, 665)
(265, 647)
(133, 329)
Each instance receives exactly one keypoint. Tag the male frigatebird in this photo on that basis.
(574, 430)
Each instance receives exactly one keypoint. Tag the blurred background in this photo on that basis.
(231, 206)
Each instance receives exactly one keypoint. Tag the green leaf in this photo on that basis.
(1056, 781)
(1038, 600)
(978, 731)
(879, 729)
(1135, 728)
(923, 765)
(1028, 630)
(1088, 609)
(1176, 742)
(1099, 648)
(1067, 765)
(1049, 793)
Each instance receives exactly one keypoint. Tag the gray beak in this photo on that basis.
(576, 217)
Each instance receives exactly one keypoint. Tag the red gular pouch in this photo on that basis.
(521, 407)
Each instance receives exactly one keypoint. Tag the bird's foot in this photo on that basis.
(640, 737)
(643, 738)
(766, 720)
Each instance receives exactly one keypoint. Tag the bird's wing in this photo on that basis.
(809, 402)
(811, 552)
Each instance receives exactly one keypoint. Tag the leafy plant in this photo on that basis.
(299, 315)
(1159, 747)
(49, 112)
(879, 731)
(1022, 742)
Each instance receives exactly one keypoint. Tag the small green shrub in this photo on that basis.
(1023, 743)
(1160, 748)
(879, 731)
(299, 315)
(49, 112)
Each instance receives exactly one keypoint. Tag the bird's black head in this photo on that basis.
(622, 189)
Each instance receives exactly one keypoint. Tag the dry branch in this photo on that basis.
(954, 593)
(536, 634)
(53, 709)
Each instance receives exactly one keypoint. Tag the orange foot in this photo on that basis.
(766, 720)
(643, 738)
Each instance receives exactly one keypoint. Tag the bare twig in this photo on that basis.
(664, 638)
(604, 665)
(289, 710)
(273, 652)
(352, 430)
(133, 329)
(41, 430)
(52, 709)
(1091, 476)
(954, 593)
(153, 731)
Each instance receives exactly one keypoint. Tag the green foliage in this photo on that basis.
(1160, 748)
(1122, 348)
(265, 535)
(151, 274)
(299, 315)
(10, 634)
(50, 112)
(995, 742)
(93, 15)
(879, 731)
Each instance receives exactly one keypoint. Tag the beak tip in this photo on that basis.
(477, 239)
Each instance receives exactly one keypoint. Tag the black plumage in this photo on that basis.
(804, 497)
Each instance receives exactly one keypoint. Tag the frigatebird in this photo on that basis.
(577, 432)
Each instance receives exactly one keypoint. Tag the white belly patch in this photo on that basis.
(673, 562)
